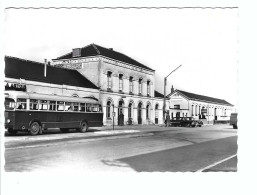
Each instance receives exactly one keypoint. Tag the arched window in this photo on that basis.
(109, 80)
(108, 109)
(140, 86)
(192, 110)
(148, 88)
(120, 82)
(131, 85)
(196, 110)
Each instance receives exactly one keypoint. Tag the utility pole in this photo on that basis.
(164, 98)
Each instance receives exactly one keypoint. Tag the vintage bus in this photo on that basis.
(34, 112)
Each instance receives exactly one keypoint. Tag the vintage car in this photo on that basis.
(185, 122)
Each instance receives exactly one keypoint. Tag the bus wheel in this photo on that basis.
(34, 128)
(83, 127)
(12, 132)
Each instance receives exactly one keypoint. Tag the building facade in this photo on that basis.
(127, 87)
(35, 77)
(186, 104)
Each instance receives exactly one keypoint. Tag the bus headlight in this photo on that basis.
(8, 120)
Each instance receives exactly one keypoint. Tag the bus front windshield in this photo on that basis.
(9, 104)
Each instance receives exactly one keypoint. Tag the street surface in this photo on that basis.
(126, 149)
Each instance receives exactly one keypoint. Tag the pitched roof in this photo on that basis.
(193, 96)
(158, 94)
(95, 50)
(19, 68)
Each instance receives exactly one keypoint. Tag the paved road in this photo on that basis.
(132, 150)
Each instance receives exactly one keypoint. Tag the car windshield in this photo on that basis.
(9, 104)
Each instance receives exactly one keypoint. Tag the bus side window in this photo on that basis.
(82, 107)
(60, 106)
(21, 103)
(52, 105)
(43, 105)
(88, 107)
(75, 106)
(33, 104)
(68, 106)
(95, 108)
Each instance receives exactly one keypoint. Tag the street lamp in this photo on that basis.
(165, 83)
(113, 114)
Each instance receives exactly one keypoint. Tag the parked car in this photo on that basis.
(185, 122)
(233, 120)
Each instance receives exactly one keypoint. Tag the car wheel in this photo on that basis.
(34, 128)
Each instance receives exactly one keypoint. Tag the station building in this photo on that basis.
(208, 109)
(126, 87)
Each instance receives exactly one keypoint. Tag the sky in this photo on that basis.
(204, 41)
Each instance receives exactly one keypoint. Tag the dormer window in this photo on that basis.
(76, 52)
(120, 82)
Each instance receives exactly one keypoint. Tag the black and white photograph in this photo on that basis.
(120, 90)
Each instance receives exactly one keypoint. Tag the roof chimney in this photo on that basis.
(111, 49)
(172, 89)
(76, 52)
(45, 67)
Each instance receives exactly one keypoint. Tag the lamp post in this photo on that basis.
(113, 114)
(164, 98)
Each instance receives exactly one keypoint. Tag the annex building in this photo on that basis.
(126, 87)
(208, 109)
(35, 77)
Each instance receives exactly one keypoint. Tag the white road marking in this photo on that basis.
(216, 163)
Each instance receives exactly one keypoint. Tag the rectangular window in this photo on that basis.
(140, 86)
(9, 104)
(109, 80)
(120, 82)
(131, 84)
(148, 88)
(52, 105)
(68, 106)
(33, 105)
(177, 106)
(75, 106)
(43, 105)
(88, 107)
(21, 104)
(60, 106)
(82, 107)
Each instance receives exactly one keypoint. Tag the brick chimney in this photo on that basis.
(172, 89)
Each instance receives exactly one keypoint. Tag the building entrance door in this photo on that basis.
(120, 113)
(178, 114)
(139, 113)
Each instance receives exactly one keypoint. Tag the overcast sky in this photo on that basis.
(204, 41)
